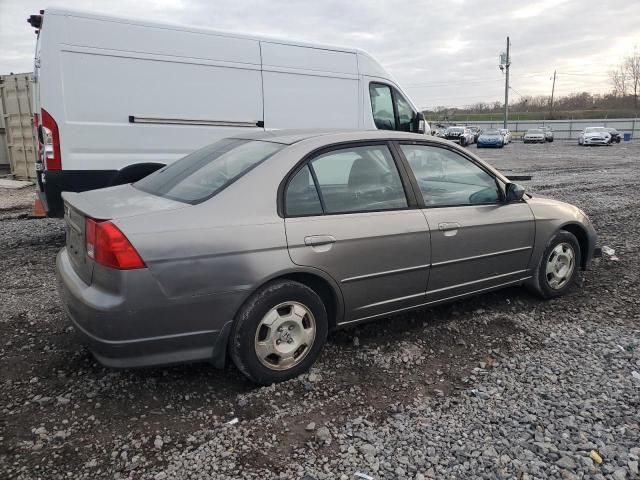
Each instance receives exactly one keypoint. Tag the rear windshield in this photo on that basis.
(205, 172)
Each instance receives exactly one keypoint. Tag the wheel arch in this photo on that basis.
(316, 280)
(134, 172)
(581, 235)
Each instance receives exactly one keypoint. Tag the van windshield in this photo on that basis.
(205, 172)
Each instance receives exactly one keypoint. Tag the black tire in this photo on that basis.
(539, 283)
(243, 333)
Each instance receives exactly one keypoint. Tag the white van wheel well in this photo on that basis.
(135, 172)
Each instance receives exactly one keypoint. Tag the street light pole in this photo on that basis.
(506, 87)
(553, 89)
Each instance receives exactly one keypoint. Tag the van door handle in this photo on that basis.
(315, 240)
(445, 226)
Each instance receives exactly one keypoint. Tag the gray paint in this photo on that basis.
(205, 260)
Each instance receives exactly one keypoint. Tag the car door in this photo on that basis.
(477, 240)
(350, 213)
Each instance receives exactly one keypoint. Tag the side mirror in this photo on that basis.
(514, 192)
(419, 125)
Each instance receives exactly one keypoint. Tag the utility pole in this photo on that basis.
(553, 89)
(507, 63)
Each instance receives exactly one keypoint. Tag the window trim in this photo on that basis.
(405, 179)
(414, 182)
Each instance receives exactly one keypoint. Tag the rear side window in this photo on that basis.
(205, 172)
(356, 179)
(302, 195)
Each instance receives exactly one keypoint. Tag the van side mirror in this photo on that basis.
(514, 192)
(419, 125)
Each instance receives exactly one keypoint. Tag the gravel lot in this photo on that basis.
(499, 386)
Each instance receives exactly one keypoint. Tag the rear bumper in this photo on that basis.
(151, 331)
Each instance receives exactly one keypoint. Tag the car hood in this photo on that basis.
(534, 134)
(118, 202)
(596, 135)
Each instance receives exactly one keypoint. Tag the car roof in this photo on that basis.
(289, 137)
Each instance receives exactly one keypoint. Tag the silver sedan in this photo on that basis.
(256, 247)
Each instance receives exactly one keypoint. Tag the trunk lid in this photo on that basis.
(104, 204)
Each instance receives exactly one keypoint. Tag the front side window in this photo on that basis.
(205, 172)
(358, 179)
(391, 111)
(446, 178)
(405, 114)
(382, 106)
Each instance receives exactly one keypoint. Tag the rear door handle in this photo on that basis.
(446, 226)
(315, 240)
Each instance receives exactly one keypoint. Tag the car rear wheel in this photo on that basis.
(279, 332)
(558, 268)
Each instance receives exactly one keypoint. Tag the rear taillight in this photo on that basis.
(51, 141)
(108, 246)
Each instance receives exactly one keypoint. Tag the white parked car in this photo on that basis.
(548, 133)
(461, 135)
(121, 98)
(534, 135)
(506, 134)
(594, 136)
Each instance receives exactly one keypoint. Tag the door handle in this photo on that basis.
(315, 240)
(446, 226)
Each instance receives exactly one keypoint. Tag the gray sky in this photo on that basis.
(441, 52)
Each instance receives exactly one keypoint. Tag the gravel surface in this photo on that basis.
(499, 386)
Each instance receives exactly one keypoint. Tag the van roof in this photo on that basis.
(188, 28)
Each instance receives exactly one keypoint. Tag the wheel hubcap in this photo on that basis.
(560, 265)
(285, 336)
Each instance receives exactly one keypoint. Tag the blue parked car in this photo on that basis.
(491, 138)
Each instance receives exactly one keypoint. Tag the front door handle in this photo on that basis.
(316, 240)
(446, 226)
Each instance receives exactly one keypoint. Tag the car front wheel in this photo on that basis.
(558, 268)
(279, 332)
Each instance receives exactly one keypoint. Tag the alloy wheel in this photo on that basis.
(285, 336)
(560, 266)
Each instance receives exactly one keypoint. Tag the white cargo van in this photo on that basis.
(116, 98)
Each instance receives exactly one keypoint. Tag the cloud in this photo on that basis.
(442, 53)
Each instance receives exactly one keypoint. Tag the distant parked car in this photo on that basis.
(594, 136)
(476, 132)
(461, 135)
(615, 135)
(491, 138)
(506, 134)
(534, 135)
(548, 133)
(254, 248)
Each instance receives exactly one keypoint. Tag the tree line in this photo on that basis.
(623, 98)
